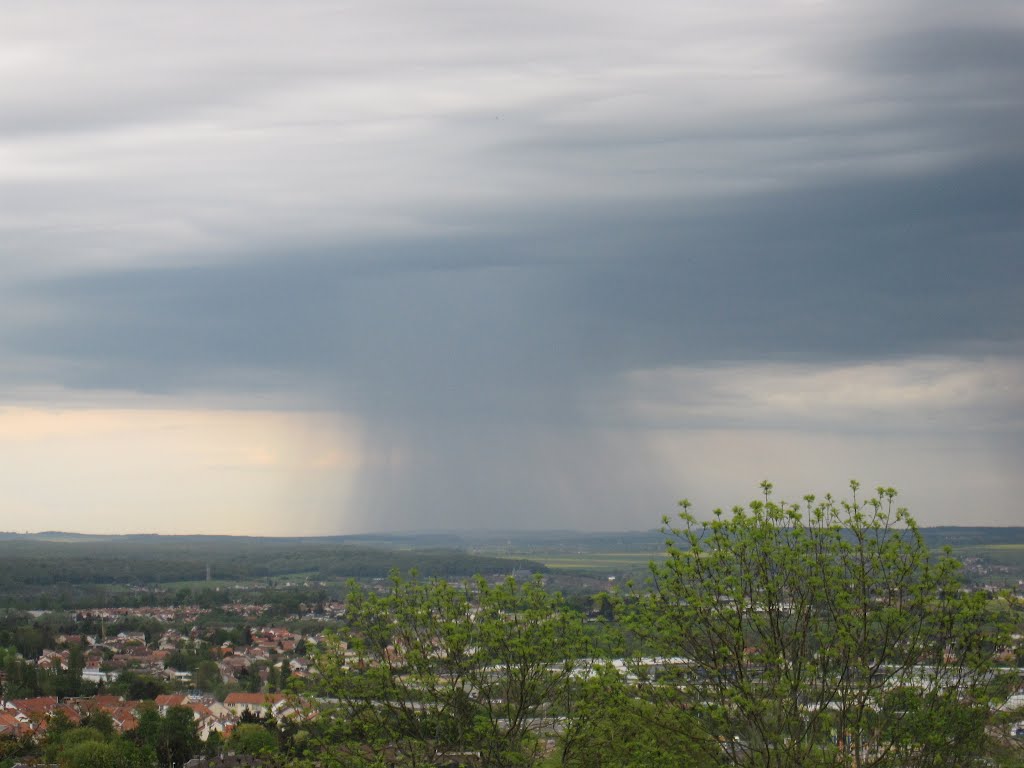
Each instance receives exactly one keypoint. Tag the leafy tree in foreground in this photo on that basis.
(117, 753)
(252, 739)
(172, 737)
(612, 727)
(89, 747)
(441, 672)
(819, 634)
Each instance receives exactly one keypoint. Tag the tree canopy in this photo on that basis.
(818, 634)
(432, 671)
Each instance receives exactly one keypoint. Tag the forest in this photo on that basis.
(49, 560)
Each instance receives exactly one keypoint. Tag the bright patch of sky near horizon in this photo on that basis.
(326, 268)
(140, 470)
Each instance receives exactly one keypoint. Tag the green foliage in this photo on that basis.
(57, 726)
(136, 686)
(213, 745)
(117, 753)
(101, 721)
(612, 727)
(172, 738)
(179, 739)
(207, 676)
(21, 680)
(252, 739)
(819, 634)
(12, 748)
(91, 747)
(438, 670)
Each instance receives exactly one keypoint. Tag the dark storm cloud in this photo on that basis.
(959, 83)
(936, 51)
(477, 329)
(831, 274)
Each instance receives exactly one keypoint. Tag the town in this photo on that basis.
(219, 674)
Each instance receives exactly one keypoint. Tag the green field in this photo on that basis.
(996, 552)
(601, 562)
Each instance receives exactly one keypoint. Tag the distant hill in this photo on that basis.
(39, 560)
(972, 536)
(637, 541)
(51, 558)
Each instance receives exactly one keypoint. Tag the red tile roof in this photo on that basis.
(259, 699)
(171, 700)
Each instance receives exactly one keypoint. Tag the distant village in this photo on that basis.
(253, 673)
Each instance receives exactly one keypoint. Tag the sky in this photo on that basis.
(327, 267)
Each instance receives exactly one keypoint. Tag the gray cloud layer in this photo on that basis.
(470, 228)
